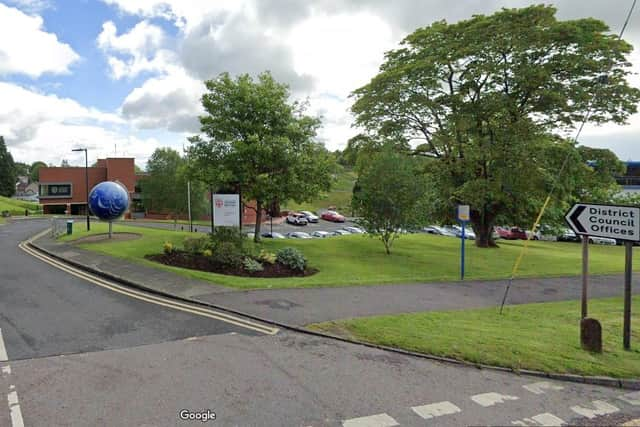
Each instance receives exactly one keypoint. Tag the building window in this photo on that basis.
(55, 190)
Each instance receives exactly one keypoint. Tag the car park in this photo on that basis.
(298, 235)
(296, 218)
(321, 234)
(340, 233)
(468, 232)
(273, 235)
(332, 216)
(310, 216)
(441, 231)
(511, 233)
(568, 235)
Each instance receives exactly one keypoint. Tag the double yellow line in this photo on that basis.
(143, 296)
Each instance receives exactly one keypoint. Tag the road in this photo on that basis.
(82, 355)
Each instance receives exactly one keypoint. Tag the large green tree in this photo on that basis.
(34, 170)
(389, 194)
(256, 141)
(165, 186)
(7, 171)
(482, 96)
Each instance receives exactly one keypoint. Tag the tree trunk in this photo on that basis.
(482, 223)
(256, 236)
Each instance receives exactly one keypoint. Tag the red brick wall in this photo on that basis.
(76, 176)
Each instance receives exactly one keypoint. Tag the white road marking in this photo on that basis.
(201, 311)
(600, 407)
(6, 370)
(3, 349)
(14, 407)
(541, 386)
(490, 399)
(378, 420)
(545, 419)
(436, 409)
(632, 398)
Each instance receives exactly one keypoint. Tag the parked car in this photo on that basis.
(568, 236)
(332, 216)
(468, 232)
(273, 235)
(310, 216)
(544, 232)
(298, 235)
(441, 231)
(354, 230)
(321, 234)
(340, 233)
(296, 218)
(601, 240)
(511, 233)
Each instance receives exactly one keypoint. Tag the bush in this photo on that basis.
(207, 252)
(292, 258)
(227, 236)
(251, 265)
(228, 254)
(196, 245)
(167, 248)
(266, 256)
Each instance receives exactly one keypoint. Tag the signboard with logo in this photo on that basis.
(226, 210)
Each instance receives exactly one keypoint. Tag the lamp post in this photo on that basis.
(86, 177)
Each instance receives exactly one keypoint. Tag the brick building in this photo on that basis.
(63, 189)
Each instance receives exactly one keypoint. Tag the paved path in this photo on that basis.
(308, 305)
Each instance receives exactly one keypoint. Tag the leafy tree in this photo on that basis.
(22, 169)
(164, 189)
(389, 195)
(7, 171)
(259, 142)
(34, 171)
(483, 96)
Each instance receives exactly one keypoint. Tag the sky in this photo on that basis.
(124, 77)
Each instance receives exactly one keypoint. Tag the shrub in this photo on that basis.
(292, 258)
(196, 245)
(167, 248)
(225, 236)
(266, 256)
(227, 253)
(207, 252)
(251, 265)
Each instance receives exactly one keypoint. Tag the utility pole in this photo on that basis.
(86, 178)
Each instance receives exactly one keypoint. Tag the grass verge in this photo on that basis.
(360, 260)
(17, 207)
(543, 337)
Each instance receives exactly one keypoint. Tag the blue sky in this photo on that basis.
(129, 73)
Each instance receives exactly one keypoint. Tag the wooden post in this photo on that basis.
(585, 274)
(626, 329)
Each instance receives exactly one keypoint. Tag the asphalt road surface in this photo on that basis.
(136, 364)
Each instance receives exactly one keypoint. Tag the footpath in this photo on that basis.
(299, 307)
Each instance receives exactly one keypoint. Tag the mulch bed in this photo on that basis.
(204, 263)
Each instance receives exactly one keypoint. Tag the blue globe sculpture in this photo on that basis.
(108, 200)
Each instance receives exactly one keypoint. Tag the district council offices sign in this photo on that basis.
(226, 210)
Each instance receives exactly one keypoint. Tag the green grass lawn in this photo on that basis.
(339, 196)
(543, 337)
(17, 207)
(356, 259)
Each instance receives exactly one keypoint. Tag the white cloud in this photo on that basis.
(136, 51)
(32, 6)
(37, 51)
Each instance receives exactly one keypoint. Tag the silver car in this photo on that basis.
(321, 234)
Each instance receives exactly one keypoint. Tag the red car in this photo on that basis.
(332, 216)
(513, 233)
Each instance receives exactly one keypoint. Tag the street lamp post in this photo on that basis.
(86, 178)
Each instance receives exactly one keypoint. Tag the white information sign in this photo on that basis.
(615, 222)
(226, 210)
(463, 213)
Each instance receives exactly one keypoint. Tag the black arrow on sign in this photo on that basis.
(574, 219)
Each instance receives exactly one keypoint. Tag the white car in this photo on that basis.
(296, 218)
(602, 240)
(298, 235)
(310, 216)
(354, 230)
(340, 233)
(321, 234)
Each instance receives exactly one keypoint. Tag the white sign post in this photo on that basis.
(226, 210)
(615, 222)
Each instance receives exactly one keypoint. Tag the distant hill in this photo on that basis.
(339, 196)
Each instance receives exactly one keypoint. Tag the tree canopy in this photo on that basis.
(34, 171)
(258, 142)
(482, 99)
(7, 171)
